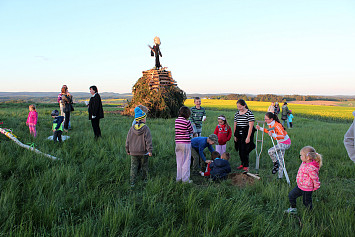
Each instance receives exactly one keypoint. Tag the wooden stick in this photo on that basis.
(252, 175)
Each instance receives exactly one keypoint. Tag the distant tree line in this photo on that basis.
(273, 98)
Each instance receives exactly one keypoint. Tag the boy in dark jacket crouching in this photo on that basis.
(139, 146)
(220, 167)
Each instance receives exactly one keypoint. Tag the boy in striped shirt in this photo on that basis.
(198, 114)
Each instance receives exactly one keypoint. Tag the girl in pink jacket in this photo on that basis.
(32, 120)
(307, 178)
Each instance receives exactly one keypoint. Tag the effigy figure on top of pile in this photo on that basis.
(155, 51)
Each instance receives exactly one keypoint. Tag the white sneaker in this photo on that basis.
(291, 210)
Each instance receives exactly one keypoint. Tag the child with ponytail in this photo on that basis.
(279, 134)
(307, 178)
(224, 134)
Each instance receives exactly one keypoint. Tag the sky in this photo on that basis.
(240, 46)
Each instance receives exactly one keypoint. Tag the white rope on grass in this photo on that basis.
(10, 135)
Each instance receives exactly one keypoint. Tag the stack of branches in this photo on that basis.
(162, 103)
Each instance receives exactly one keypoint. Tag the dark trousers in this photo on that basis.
(57, 135)
(66, 120)
(244, 154)
(297, 192)
(138, 163)
(291, 125)
(96, 127)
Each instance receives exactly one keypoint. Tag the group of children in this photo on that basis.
(190, 144)
(218, 167)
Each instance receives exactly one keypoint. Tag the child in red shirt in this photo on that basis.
(224, 134)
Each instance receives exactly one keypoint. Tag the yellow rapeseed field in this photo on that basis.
(336, 113)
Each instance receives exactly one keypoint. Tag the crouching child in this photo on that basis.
(220, 167)
(214, 155)
(139, 146)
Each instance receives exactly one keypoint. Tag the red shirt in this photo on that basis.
(223, 133)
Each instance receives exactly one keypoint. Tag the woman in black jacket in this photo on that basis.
(95, 111)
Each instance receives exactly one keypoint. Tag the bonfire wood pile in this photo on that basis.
(159, 78)
(157, 90)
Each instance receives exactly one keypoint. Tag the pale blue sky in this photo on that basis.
(240, 46)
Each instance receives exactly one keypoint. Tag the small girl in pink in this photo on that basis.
(32, 120)
(307, 178)
(224, 134)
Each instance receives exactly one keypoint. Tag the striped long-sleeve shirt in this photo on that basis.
(183, 130)
(197, 115)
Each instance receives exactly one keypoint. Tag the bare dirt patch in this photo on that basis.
(240, 179)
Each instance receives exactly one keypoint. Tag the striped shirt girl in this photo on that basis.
(183, 130)
(243, 120)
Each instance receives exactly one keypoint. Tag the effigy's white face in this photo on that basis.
(157, 40)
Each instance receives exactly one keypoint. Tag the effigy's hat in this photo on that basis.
(139, 114)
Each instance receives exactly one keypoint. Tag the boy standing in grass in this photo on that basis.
(198, 114)
(139, 146)
(57, 126)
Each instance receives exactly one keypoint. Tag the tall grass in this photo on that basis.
(87, 192)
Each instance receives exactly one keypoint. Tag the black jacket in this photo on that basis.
(67, 101)
(95, 107)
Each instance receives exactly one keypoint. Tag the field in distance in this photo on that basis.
(324, 112)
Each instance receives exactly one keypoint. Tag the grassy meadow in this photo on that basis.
(87, 193)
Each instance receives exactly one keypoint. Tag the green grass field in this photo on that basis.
(87, 191)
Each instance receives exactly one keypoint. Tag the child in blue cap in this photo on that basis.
(139, 146)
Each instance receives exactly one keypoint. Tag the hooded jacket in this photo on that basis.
(219, 168)
(224, 134)
(307, 176)
(139, 140)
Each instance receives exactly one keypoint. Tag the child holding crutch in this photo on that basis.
(276, 131)
(307, 178)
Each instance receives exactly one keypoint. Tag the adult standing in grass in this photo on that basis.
(279, 134)
(67, 102)
(244, 133)
(284, 113)
(183, 132)
(96, 111)
(276, 109)
(271, 108)
(349, 140)
(59, 99)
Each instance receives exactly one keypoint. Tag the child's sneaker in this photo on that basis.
(276, 167)
(291, 210)
(246, 169)
(240, 167)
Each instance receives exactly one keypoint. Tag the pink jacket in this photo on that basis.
(307, 176)
(32, 118)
